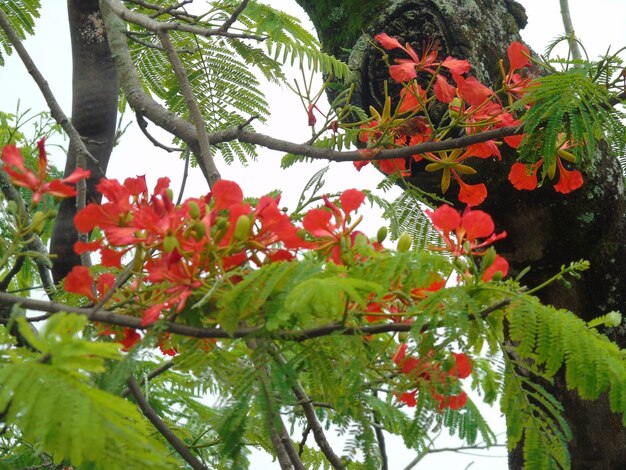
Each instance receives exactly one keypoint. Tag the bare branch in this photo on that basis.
(230, 21)
(166, 432)
(112, 318)
(153, 25)
(143, 125)
(363, 154)
(155, 373)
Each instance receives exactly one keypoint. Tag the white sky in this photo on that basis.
(598, 24)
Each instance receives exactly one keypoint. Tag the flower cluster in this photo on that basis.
(15, 167)
(469, 234)
(441, 381)
(472, 106)
(177, 249)
(524, 177)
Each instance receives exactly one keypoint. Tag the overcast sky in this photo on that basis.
(599, 24)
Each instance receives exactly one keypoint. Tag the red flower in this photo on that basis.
(454, 402)
(472, 194)
(524, 177)
(500, 265)
(519, 56)
(569, 180)
(462, 367)
(443, 90)
(36, 182)
(80, 281)
(131, 337)
(468, 228)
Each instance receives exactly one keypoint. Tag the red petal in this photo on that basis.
(105, 283)
(82, 247)
(351, 200)
(111, 258)
(456, 65)
(131, 337)
(408, 398)
(445, 218)
(569, 180)
(388, 42)
(79, 281)
(403, 72)
(518, 56)
(477, 224)
(472, 194)
(463, 366)
(317, 221)
(77, 174)
(500, 265)
(443, 90)
(471, 90)
(522, 177)
(226, 193)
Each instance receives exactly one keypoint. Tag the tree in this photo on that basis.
(277, 313)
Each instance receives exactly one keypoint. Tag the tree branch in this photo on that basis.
(166, 432)
(155, 373)
(569, 30)
(153, 25)
(195, 114)
(230, 21)
(311, 418)
(112, 318)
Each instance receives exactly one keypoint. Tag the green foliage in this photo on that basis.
(223, 72)
(547, 340)
(577, 103)
(48, 396)
(21, 15)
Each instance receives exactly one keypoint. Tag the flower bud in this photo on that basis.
(38, 222)
(405, 242)
(199, 230)
(170, 194)
(455, 107)
(382, 234)
(194, 209)
(242, 228)
(170, 243)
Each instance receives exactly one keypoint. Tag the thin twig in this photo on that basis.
(154, 373)
(426, 452)
(143, 125)
(184, 16)
(183, 183)
(6, 280)
(158, 423)
(153, 25)
(230, 21)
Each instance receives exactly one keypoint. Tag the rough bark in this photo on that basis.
(94, 115)
(546, 229)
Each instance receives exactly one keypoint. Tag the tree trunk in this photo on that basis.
(94, 115)
(545, 229)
